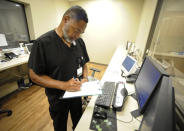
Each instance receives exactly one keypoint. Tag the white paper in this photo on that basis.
(3, 41)
(87, 89)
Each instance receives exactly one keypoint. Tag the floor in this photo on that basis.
(30, 108)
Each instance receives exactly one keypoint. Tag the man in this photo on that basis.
(58, 63)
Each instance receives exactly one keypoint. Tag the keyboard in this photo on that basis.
(105, 99)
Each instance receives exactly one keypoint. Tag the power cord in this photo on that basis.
(125, 121)
(122, 120)
(122, 73)
(138, 120)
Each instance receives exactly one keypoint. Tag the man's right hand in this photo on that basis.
(73, 85)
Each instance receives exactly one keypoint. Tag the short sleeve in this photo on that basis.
(86, 57)
(37, 61)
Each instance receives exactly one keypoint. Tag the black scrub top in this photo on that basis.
(51, 56)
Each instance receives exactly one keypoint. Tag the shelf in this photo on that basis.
(169, 55)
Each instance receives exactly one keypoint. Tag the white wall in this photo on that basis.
(145, 24)
(111, 22)
(43, 15)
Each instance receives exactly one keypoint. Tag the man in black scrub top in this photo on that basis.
(58, 63)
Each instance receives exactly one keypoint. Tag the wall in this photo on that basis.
(43, 16)
(145, 24)
(111, 23)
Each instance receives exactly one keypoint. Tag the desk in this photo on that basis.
(14, 62)
(113, 73)
(8, 79)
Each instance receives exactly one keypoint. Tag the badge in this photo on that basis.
(79, 72)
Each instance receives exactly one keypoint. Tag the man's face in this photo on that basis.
(72, 29)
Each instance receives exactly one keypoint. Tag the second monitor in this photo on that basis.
(128, 65)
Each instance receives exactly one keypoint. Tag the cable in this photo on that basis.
(138, 120)
(125, 121)
(122, 120)
(122, 73)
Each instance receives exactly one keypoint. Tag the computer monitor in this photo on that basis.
(128, 65)
(3, 41)
(146, 82)
(159, 114)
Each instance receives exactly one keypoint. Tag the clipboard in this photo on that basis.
(87, 89)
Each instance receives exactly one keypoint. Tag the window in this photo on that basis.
(13, 23)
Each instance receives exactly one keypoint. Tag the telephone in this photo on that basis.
(131, 78)
(131, 75)
(10, 55)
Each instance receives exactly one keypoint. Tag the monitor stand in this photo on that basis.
(135, 113)
(134, 96)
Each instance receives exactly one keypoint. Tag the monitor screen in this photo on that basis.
(159, 114)
(146, 82)
(128, 63)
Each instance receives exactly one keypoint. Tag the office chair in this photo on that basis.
(86, 99)
(9, 112)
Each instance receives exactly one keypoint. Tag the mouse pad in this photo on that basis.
(108, 124)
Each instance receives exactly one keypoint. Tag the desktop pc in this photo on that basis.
(155, 97)
(146, 82)
(159, 114)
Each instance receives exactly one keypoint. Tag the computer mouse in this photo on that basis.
(100, 115)
(124, 92)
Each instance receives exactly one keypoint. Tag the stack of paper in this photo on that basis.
(87, 89)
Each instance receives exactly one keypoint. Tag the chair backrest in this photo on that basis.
(92, 77)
